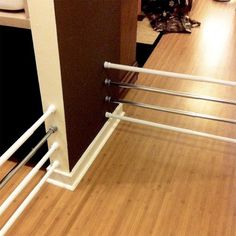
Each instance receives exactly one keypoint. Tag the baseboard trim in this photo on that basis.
(70, 180)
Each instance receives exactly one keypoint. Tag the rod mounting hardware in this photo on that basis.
(108, 99)
(107, 82)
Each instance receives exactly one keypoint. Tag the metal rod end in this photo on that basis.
(52, 108)
(107, 114)
(107, 99)
(55, 164)
(54, 146)
(107, 64)
(107, 82)
(53, 129)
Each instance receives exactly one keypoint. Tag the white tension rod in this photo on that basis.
(171, 128)
(110, 65)
(26, 135)
(28, 199)
(27, 179)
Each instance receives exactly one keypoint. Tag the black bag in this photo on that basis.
(171, 6)
(169, 15)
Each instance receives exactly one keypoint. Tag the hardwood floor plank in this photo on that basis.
(149, 181)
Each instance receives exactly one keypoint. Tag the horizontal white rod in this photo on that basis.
(110, 65)
(28, 199)
(26, 135)
(27, 179)
(19, 165)
(171, 128)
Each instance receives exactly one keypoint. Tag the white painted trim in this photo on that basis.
(44, 33)
(71, 180)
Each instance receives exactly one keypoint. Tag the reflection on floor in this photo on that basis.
(148, 181)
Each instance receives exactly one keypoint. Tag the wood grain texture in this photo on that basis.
(145, 32)
(153, 182)
(89, 33)
(12, 184)
(18, 19)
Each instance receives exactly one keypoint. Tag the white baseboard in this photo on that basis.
(70, 180)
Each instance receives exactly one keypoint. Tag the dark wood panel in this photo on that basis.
(128, 31)
(148, 181)
(89, 32)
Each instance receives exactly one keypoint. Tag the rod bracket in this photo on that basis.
(106, 64)
(107, 99)
(53, 129)
(107, 82)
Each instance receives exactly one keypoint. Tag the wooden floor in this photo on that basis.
(145, 32)
(149, 181)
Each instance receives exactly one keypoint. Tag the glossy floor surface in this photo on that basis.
(148, 181)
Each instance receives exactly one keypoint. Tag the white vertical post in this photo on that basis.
(26, 135)
(27, 179)
(29, 198)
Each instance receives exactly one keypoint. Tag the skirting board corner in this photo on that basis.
(71, 180)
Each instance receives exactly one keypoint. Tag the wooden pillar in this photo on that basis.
(90, 32)
(72, 39)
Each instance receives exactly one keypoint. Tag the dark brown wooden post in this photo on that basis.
(90, 32)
